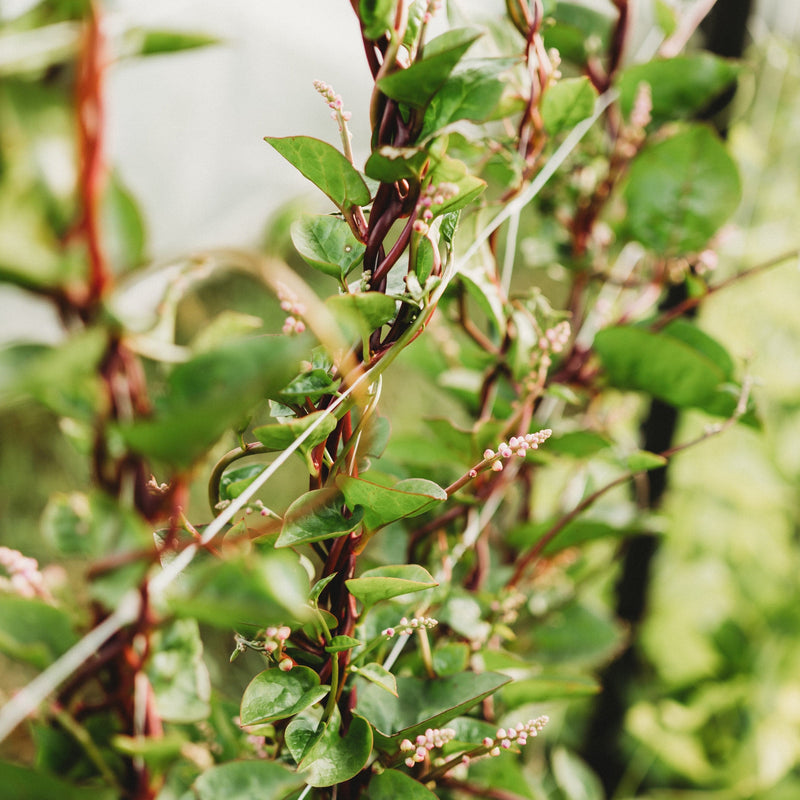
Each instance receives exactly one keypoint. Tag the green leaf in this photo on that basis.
(575, 779)
(643, 461)
(33, 631)
(578, 444)
(377, 674)
(362, 313)
(417, 84)
(339, 644)
(385, 504)
(451, 170)
(673, 369)
(575, 533)
(123, 226)
(327, 243)
(274, 694)
(377, 17)
(422, 703)
(680, 87)
(666, 17)
(97, 526)
(680, 191)
(544, 688)
(149, 42)
(451, 658)
(471, 94)
(566, 103)
(210, 394)
(383, 583)
(247, 780)
(577, 25)
(310, 385)
(390, 164)
(20, 783)
(315, 516)
(235, 481)
(178, 674)
(325, 167)
(280, 435)
(262, 589)
(333, 758)
(392, 784)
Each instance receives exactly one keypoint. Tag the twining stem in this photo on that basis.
(252, 449)
(537, 549)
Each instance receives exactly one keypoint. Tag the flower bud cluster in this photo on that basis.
(518, 735)
(293, 307)
(418, 749)
(632, 135)
(434, 195)
(271, 642)
(407, 626)
(24, 577)
(555, 339)
(517, 446)
(433, 7)
(334, 102)
(507, 607)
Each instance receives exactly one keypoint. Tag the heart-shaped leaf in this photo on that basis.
(333, 758)
(315, 516)
(384, 504)
(274, 694)
(280, 435)
(247, 780)
(383, 583)
(379, 675)
(327, 243)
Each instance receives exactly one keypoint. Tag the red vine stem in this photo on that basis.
(90, 113)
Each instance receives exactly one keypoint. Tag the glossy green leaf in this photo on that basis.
(566, 103)
(471, 94)
(384, 504)
(383, 583)
(315, 516)
(680, 87)
(377, 674)
(327, 243)
(339, 644)
(211, 393)
(325, 167)
(247, 780)
(670, 368)
(274, 694)
(33, 631)
(334, 758)
(578, 25)
(280, 435)
(20, 783)
(263, 589)
(417, 84)
(501, 773)
(392, 784)
(680, 191)
(235, 481)
(377, 17)
(422, 703)
(178, 674)
(545, 688)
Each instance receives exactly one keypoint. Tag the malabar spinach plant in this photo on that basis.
(401, 621)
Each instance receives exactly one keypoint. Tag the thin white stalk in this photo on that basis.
(509, 255)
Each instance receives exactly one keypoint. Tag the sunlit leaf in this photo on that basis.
(325, 167)
(383, 583)
(315, 516)
(566, 103)
(327, 243)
